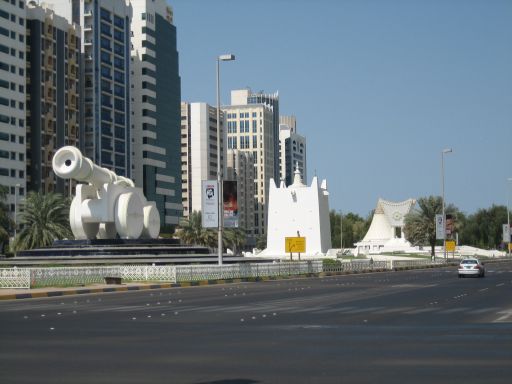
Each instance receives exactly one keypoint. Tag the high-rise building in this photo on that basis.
(240, 168)
(246, 96)
(198, 152)
(156, 96)
(53, 94)
(250, 128)
(292, 150)
(12, 101)
(290, 121)
(105, 45)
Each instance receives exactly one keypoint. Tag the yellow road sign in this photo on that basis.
(295, 244)
(450, 246)
(510, 247)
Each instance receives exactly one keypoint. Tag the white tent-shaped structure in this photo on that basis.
(386, 230)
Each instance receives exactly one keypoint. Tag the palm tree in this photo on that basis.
(191, 231)
(44, 218)
(6, 223)
(420, 224)
(234, 238)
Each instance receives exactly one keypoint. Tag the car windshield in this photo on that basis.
(469, 262)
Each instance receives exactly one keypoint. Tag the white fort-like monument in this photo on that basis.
(109, 205)
(386, 232)
(298, 211)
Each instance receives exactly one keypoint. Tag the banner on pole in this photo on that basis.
(230, 199)
(506, 233)
(440, 235)
(210, 203)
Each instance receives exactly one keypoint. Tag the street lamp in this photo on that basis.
(220, 58)
(15, 208)
(447, 150)
(508, 217)
(341, 231)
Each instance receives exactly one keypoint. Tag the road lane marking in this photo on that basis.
(398, 309)
(483, 310)
(361, 310)
(339, 309)
(505, 317)
(421, 310)
(499, 285)
(310, 309)
(454, 310)
(483, 289)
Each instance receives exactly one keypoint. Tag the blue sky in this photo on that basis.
(378, 87)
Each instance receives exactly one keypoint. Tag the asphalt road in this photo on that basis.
(424, 326)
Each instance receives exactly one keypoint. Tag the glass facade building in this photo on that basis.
(156, 86)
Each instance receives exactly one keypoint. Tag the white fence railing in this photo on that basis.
(72, 276)
(245, 270)
(77, 276)
(14, 278)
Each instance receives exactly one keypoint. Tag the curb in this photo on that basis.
(81, 291)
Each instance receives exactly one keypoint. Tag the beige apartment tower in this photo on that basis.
(250, 129)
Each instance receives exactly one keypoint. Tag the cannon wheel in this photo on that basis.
(129, 216)
(80, 229)
(151, 222)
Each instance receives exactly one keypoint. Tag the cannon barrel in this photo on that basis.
(69, 163)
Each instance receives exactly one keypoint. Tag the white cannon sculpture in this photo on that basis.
(109, 204)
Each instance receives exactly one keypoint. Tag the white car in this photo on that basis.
(471, 267)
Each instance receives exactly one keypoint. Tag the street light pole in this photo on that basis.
(341, 231)
(447, 150)
(508, 216)
(220, 58)
(15, 210)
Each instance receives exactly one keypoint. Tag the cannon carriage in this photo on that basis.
(109, 205)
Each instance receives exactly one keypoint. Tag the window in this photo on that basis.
(118, 49)
(118, 90)
(119, 76)
(118, 21)
(118, 63)
(105, 71)
(105, 57)
(105, 15)
(105, 29)
(118, 35)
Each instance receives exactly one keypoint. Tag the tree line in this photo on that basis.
(482, 229)
(45, 217)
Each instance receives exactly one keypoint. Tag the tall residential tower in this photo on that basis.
(292, 150)
(198, 151)
(12, 100)
(105, 45)
(156, 95)
(53, 94)
(250, 128)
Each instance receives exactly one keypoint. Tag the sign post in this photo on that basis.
(294, 244)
